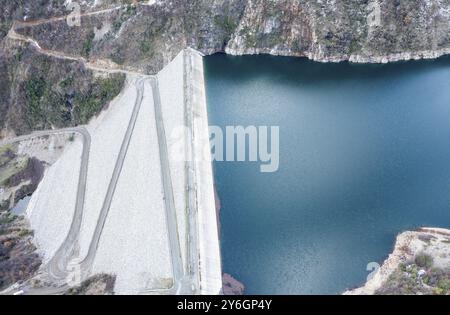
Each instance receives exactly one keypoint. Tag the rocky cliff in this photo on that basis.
(332, 30)
(419, 264)
(144, 36)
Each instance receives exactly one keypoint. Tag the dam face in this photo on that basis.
(364, 155)
(137, 203)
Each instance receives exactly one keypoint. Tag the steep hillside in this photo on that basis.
(144, 36)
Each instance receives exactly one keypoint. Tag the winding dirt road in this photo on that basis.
(57, 268)
(185, 281)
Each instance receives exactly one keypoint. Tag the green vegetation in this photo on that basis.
(117, 55)
(6, 218)
(44, 107)
(250, 37)
(11, 168)
(5, 148)
(4, 27)
(34, 90)
(66, 82)
(18, 259)
(149, 38)
(87, 46)
(418, 277)
(226, 23)
(424, 261)
(117, 24)
(24, 232)
(145, 47)
(101, 92)
(443, 286)
(128, 12)
(18, 55)
(4, 205)
(355, 46)
(6, 154)
(66, 101)
(101, 284)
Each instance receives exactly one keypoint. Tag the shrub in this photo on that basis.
(4, 205)
(87, 46)
(444, 285)
(145, 47)
(7, 218)
(34, 90)
(101, 92)
(424, 261)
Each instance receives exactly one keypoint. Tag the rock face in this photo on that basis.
(330, 30)
(19, 176)
(145, 36)
(42, 92)
(419, 264)
(18, 258)
(101, 284)
(231, 286)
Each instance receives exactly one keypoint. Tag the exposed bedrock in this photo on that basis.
(144, 38)
(231, 286)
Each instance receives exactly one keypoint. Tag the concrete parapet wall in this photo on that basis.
(210, 270)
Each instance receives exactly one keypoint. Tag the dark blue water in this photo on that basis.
(364, 155)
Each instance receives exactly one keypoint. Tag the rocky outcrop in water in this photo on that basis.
(419, 264)
(231, 286)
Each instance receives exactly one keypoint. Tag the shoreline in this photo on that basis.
(209, 259)
(230, 285)
(353, 58)
(407, 245)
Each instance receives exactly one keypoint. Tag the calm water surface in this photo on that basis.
(364, 155)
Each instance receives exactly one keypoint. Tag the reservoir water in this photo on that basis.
(364, 155)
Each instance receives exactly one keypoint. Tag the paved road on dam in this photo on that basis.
(181, 285)
(192, 235)
(57, 268)
(57, 265)
(185, 281)
(86, 264)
